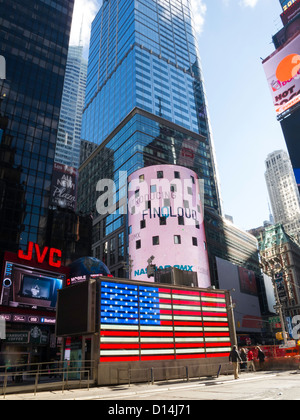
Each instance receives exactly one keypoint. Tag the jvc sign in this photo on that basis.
(2, 67)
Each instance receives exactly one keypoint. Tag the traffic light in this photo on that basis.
(279, 336)
(151, 270)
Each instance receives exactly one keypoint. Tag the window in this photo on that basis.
(195, 241)
(177, 239)
(163, 220)
(153, 188)
(138, 244)
(180, 220)
(143, 224)
(177, 175)
(141, 178)
(155, 240)
(160, 174)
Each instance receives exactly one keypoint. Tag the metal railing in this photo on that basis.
(49, 375)
(152, 374)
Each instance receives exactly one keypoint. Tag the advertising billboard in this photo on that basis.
(166, 221)
(29, 285)
(282, 70)
(286, 4)
(290, 12)
(64, 186)
(144, 322)
(247, 310)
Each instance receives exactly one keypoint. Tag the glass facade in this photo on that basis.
(145, 101)
(34, 38)
(69, 128)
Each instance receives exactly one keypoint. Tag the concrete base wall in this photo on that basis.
(135, 372)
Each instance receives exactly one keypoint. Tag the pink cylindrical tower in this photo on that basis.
(165, 221)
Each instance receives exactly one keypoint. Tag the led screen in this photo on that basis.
(73, 310)
(165, 221)
(285, 4)
(143, 323)
(37, 288)
(283, 74)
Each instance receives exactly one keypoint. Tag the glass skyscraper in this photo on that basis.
(145, 104)
(34, 38)
(69, 128)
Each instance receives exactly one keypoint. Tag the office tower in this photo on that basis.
(282, 71)
(145, 105)
(69, 128)
(34, 38)
(283, 191)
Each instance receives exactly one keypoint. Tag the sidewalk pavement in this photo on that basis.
(134, 390)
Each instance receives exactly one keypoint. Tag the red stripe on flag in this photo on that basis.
(190, 356)
(216, 305)
(215, 314)
(165, 301)
(104, 359)
(119, 333)
(217, 334)
(118, 346)
(215, 295)
(218, 344)
(188, 345)
(215, 324)
(164, 290)
(211, 355)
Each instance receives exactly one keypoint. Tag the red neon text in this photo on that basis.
(54, 254)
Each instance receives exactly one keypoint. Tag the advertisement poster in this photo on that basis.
(64, 186)
(282, 70)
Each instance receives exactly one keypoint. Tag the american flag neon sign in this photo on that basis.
(141, 322)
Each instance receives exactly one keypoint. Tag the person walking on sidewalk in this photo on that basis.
(250, 361)
(261, 357)
(235, 359)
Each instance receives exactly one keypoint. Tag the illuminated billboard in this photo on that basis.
(29, 286)
(242, 282)
(290, 12)
(64, 186)
(282, 70)
(165, 220)
(285, 4)
(144, 322)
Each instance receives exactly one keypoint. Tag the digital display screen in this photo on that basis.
(36, 287)
(143, 323)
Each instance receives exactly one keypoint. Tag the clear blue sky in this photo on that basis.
(233, 37)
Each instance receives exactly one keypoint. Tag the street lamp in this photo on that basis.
(271, 267)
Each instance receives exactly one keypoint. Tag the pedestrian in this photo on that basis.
(244, 358)
(235, 359)
(250, 361)
(261, 357)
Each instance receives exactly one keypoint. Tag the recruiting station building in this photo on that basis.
(139, 331)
